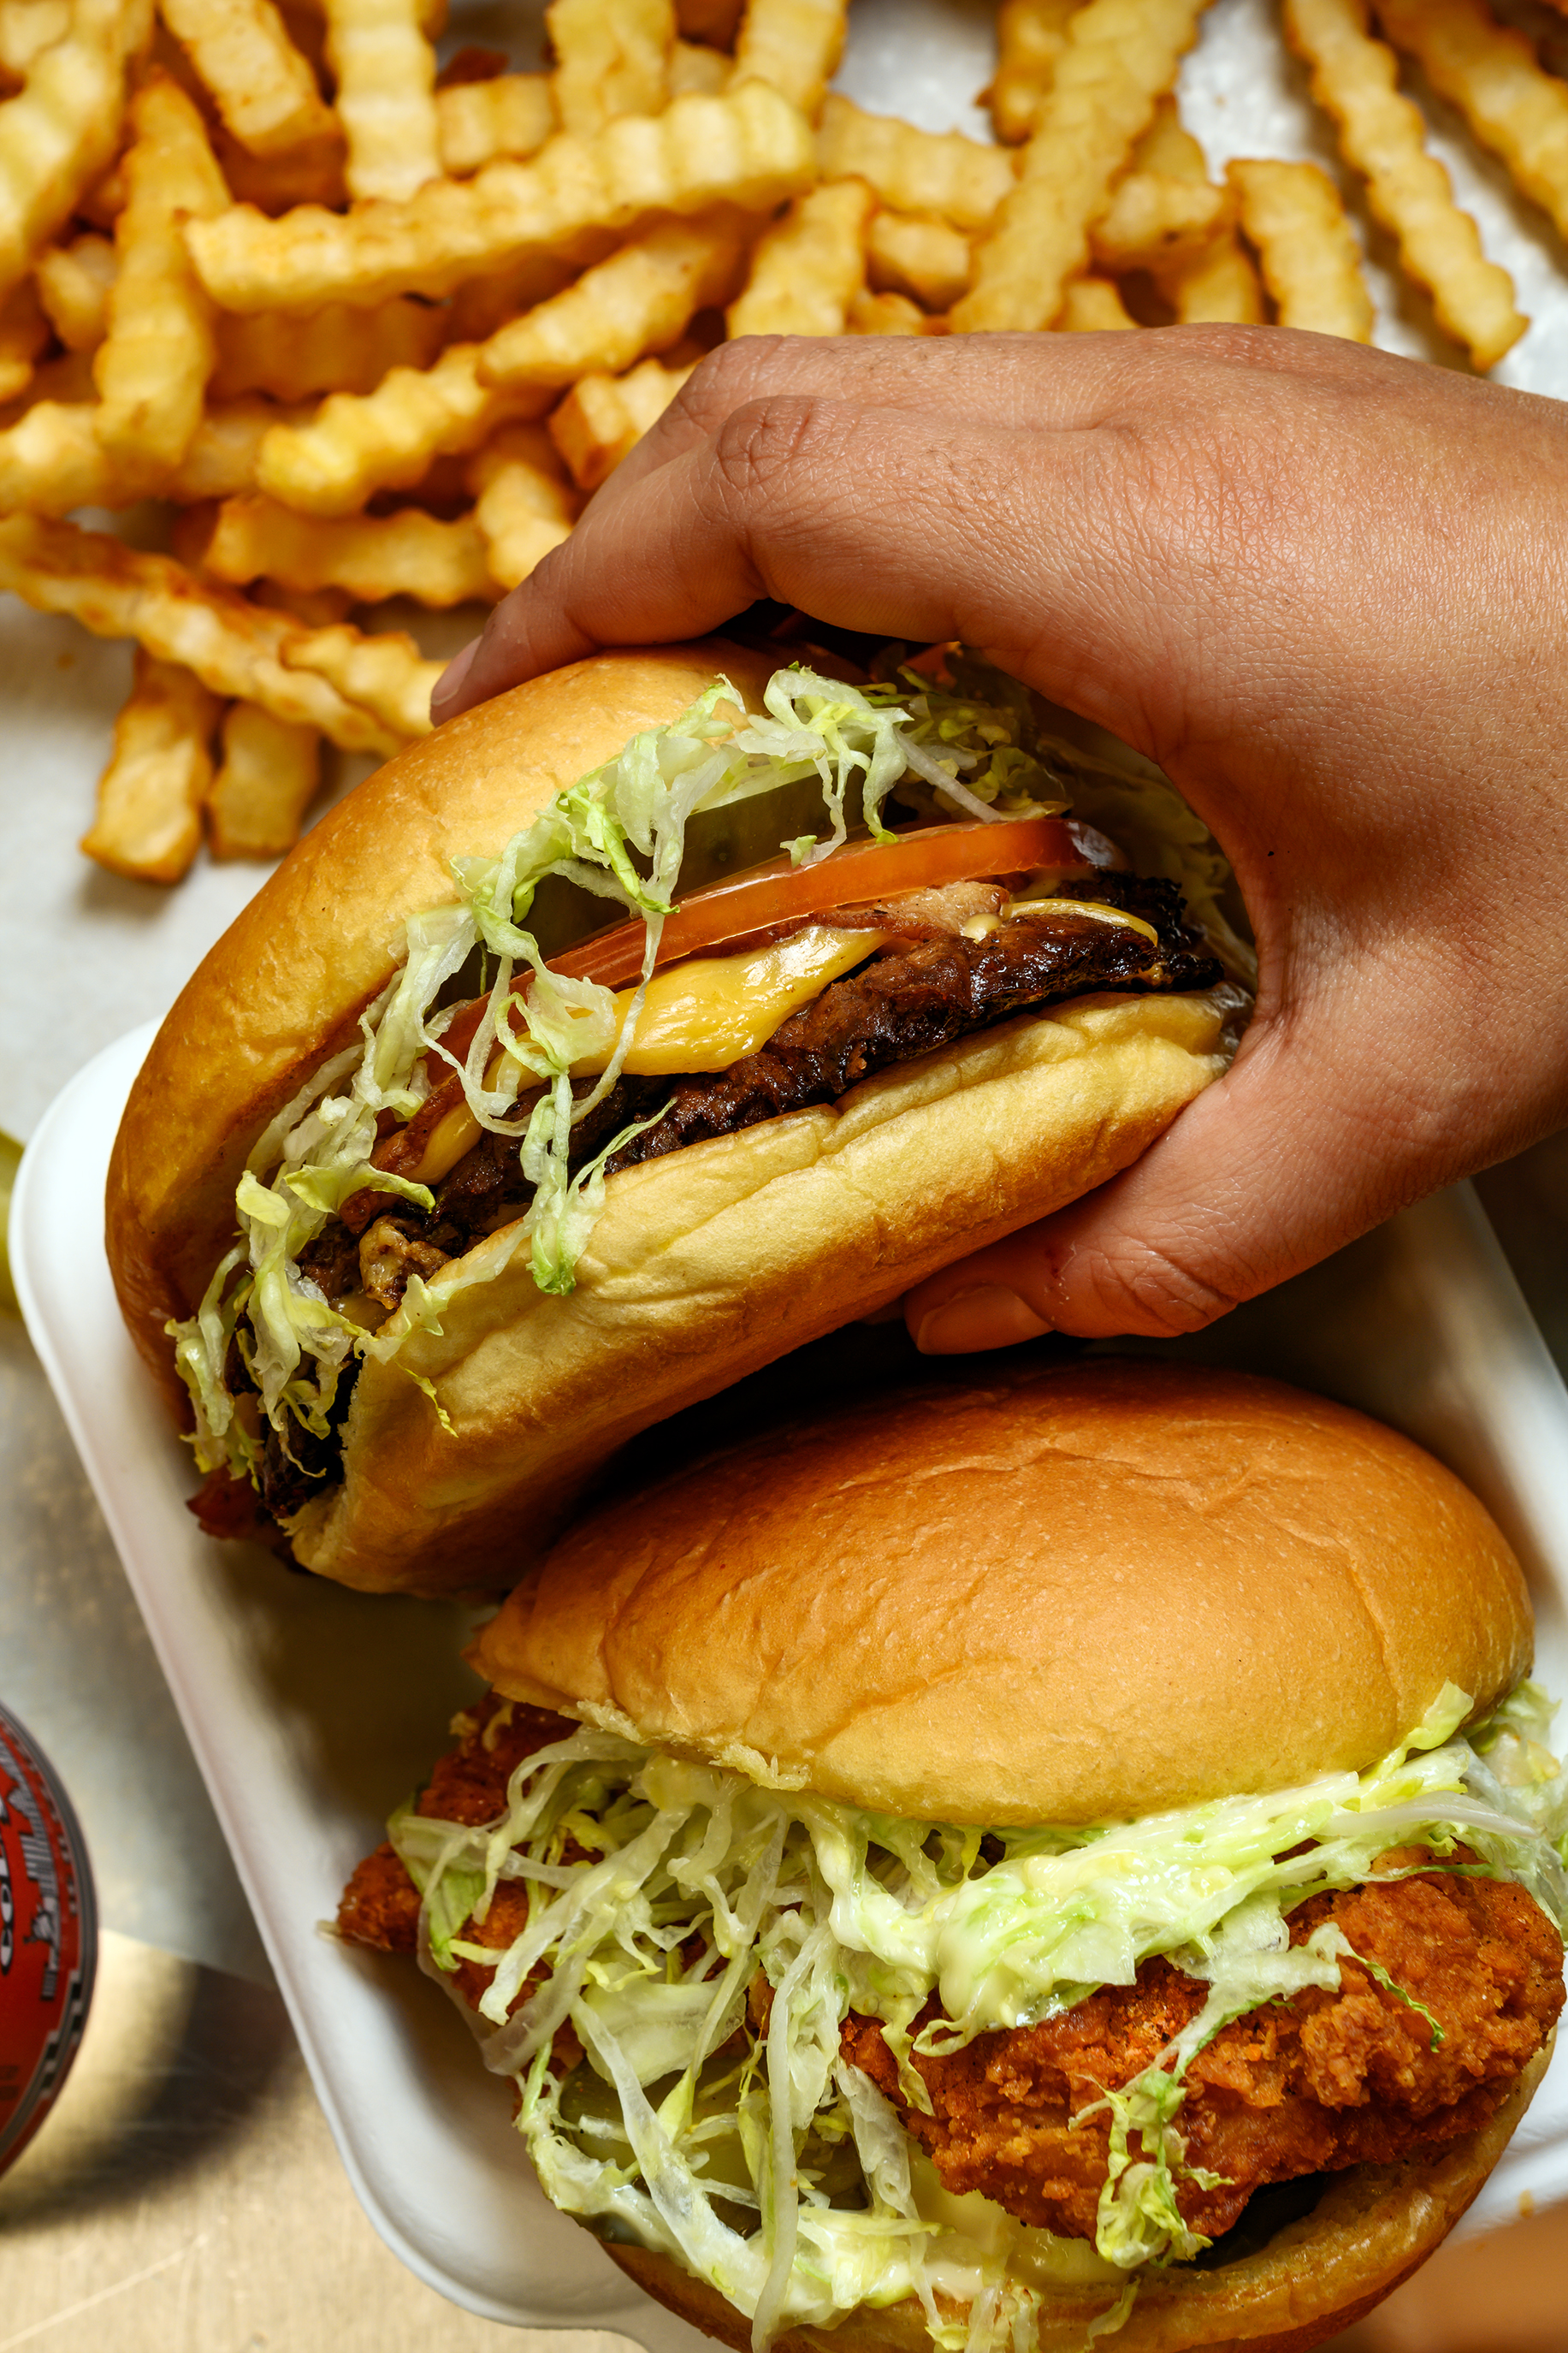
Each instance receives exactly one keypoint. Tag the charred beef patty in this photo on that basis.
(909, 999)
(913, 997)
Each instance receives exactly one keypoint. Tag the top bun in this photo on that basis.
(1095, 1591)
(285, 987)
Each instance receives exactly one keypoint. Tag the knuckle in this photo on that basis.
(729, 375)
(765, 446)
(1153, 1291)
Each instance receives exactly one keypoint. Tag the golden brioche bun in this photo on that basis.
(703, 1266)
(1374, 2226)
(1095, 1591)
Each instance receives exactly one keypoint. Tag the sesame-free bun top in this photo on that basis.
(284, 988)
(1094, 1592)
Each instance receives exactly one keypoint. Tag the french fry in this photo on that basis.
(639, 301)
(28, 28)
(235, 648)
(1491, 73)
(409, 553)
(386, 73)
(923, 258)
(1311, 264)
(73, 282)
(694, 66)
(808, 270)
(513, 114)
(51, 460)
(311, 174)
(318, 608)
(354, 445)
(331, 350)
(60, 132)
(1383, 135)
(269, 776)
(385, 676)
(150, 796)
(612, 57)
(884, 314)
(306, 22)
(1218, 285)
(793, 44)
(914, 171)
(751, 148)
(604, 417)
(152, 367)
(1030, 37)
(222, 459)
(24, 333)
(1092, 306)
(1154, 220)
(260, 84)
(483, 306)
(713, 21)
(521, 505)
(101, 204)
(1120, 59)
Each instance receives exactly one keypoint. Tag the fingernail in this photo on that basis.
(452, 677)
(986, 1317)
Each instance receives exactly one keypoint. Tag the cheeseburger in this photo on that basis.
(640, 1026)
(1009, 1864)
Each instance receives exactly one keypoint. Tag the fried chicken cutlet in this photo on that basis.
(1326, 2080)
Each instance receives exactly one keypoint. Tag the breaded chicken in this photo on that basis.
(1326, 2080)
(380, 1906)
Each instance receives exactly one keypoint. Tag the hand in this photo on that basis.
(1326, 589)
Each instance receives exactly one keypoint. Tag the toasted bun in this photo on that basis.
(704, 1265)
(1102, 1590)
(1373, 2227)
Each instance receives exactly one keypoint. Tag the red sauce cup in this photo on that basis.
(48, 1937)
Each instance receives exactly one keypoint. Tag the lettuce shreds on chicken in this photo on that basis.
(823, 2057)
(352, 1201)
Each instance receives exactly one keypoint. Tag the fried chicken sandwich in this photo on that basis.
(629, 1032)
(1003, 1866)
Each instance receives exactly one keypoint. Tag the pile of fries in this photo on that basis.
(374, 328)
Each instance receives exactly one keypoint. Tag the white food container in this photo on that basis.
(312, 1710)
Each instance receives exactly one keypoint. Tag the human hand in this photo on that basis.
(1323, 587)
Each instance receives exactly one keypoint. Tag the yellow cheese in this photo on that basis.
(456, 1133)
(1089, 907)
(699, 1016)
(711, 1011)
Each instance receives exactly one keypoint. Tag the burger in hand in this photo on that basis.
(1009, 1864)
(638, 1026)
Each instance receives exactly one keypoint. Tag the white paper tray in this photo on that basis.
(311, 1711)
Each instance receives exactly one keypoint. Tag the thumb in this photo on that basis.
(1268, 1171)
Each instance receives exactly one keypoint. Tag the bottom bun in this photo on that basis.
(713, 1262)
(1374, 2226)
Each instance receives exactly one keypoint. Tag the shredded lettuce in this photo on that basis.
(784, 2178)
(619, 833)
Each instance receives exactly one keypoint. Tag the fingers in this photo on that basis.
(1327, 1123)
(636, 570)
(896, 522)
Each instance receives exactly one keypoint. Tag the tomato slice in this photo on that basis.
(861, 873)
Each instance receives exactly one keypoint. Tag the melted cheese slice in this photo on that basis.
(711, 1011)
(702, 1015)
